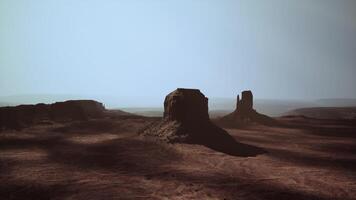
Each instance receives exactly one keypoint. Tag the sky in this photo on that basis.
(144, 49)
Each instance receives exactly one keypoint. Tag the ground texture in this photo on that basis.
(106, 159)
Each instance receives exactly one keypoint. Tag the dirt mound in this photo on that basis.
(25, 115)
(245, 114)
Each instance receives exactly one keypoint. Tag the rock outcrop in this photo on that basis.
(76, 110)
(24, 115)
(245, 114)
(188, 106)
(185, 111)
(186, 120)
(245, 105)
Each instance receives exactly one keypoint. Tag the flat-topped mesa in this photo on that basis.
(25, 115)
(76, 110)
(186, 106)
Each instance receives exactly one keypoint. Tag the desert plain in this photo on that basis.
(106, 158)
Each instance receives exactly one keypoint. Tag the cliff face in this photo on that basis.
(186, 119)
(185, 115)
(25, 115)
(186, 106)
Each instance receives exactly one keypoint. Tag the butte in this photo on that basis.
(244, 114)
(186, 120)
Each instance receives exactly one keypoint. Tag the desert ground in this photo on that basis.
(106, 159)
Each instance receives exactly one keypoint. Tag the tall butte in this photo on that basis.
(244, 113)
(186, 120)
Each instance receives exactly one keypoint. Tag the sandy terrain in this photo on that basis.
(106, 159)
(326, 112)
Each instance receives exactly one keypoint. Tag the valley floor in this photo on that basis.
(106, 159)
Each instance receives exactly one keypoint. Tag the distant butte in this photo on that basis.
(244, 113)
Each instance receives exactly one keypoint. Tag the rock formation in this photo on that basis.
(245, 105)
(24, 115)
(188, 106)
(244, 113)
(185, 110)
(76, 110)
(186, 120)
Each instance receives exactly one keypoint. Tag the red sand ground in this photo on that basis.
(106, 159)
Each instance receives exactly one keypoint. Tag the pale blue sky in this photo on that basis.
(278, 48)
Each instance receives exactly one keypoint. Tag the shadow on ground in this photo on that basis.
(346, 164)
(219, 140)
(30, 191)
(322, 127)
(152, 160)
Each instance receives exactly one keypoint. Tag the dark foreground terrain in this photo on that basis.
(106, 159)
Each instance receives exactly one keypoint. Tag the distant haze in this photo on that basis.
(134, 52)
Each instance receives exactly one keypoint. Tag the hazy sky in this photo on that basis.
(277, 48)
